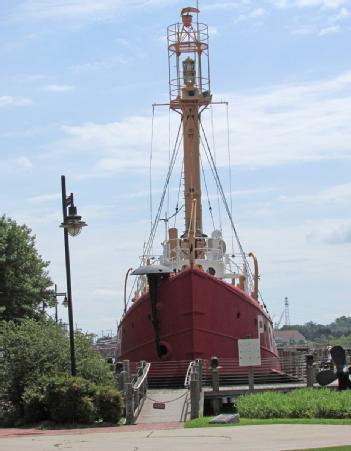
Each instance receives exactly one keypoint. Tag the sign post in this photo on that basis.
(250, 356)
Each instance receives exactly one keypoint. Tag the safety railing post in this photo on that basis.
(310, 376)
(194, 394)
(199, 363)
(129, 400)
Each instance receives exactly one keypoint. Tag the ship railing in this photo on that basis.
(193, 382)
(188, 373)
(134, 387)
(290, 369)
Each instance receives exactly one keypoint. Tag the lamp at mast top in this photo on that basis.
(189, 72)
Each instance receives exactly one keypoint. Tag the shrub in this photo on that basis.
(66, 399)
(34, 403)
(109, 404)
(70, 400)
(33, 348)
(304, 403)
(8, 413)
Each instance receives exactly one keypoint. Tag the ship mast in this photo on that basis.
(189, 90)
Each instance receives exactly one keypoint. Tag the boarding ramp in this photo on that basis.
(165, 406)
(162, 404)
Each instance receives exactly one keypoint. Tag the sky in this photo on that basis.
(77, 82)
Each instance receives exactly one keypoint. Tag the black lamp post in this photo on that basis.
(72, 225)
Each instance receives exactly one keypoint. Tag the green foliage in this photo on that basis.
(31, 348)
(304, 403)
(89, 363)
(109, 404)
(337, 332)
(35, 348)
(71, 400)
(24, 280)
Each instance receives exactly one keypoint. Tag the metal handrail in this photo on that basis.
(143, 376)
(188, 373)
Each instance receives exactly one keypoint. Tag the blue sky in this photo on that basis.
(77, 81)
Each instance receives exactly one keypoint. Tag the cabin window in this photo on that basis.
(238, 315)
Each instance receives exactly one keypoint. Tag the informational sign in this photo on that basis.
(159, 405)
(249, 352)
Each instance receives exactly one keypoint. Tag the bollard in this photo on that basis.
(251, 379)
(216, 402)
(129, 400)
(215, 379)
(200, 371)
(122, 380)
(310, 376)
(194, 394)
(126, 366)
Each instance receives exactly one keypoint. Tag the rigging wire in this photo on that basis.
(169, 150)
(211, 161)
(208, 197)
(169, 173)
(215, 160)
(150, 164)
(178, 196)
(148, 246)
(230, 171)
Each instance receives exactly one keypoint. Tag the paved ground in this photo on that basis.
(245, 438)
(177, 406)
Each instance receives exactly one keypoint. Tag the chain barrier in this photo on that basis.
(170, 400)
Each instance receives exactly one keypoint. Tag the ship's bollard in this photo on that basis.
(310, 376)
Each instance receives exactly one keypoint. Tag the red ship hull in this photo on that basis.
(199, 317)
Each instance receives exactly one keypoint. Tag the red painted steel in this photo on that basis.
(200, 317)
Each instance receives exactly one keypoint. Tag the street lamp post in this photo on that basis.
(72, 224)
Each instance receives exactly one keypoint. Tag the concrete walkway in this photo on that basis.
(242, 438)
(177, 406)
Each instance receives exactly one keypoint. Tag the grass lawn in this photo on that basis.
(203, 422)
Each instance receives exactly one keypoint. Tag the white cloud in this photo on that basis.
(24, 163)
(103, 64)
(332, 4)
(8, 101)
(81, 10)
(337, 232)
(259, 12)
(271, 126)
(330, 30)
(339, 194)
(59, 88)
(44, 198)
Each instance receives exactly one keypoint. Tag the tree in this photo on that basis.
(33, 348)
(24, 280)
